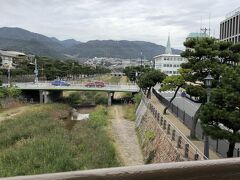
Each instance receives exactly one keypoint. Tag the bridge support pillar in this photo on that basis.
(110, 98)
(43, 97)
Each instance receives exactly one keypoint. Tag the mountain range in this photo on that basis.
(25, 41)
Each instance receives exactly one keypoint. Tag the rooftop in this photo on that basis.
(12, 53)
(167, 55)
(196, 35)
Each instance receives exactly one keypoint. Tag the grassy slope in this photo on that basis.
(37, 143)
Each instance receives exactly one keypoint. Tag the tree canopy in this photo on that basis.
(52, 68)
(220, 117)
(150, 79)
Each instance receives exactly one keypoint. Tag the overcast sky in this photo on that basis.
(147, 20)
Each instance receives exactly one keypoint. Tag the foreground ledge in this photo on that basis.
(222, 169)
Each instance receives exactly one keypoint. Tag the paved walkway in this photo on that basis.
(181, 127)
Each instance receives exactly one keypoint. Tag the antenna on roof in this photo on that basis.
(209, 24)
(201, 25)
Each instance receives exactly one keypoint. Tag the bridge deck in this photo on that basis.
(78, 87)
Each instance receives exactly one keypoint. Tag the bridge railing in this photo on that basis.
(222, 169)
(72, 83)
(47, 84)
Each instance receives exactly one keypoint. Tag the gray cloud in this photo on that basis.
(149, 20)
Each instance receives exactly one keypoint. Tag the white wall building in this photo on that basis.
(168, 63)
(230, 27)
(8, 58)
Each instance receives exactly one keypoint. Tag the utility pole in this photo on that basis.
(209, 24)
(204, 31)
(36, 71)
(8, 70)
(141, 58)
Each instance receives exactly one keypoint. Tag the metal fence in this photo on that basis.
(188, 150)
(219, 146)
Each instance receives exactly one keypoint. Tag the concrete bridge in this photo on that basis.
(48, 91)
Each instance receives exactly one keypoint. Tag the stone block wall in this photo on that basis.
(156, 145)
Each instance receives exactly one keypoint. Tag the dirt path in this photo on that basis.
(7, 114)
(125, 138)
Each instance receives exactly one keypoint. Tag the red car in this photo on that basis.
(99, 84)
(95, 84)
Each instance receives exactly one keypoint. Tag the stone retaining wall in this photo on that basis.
(156, 146)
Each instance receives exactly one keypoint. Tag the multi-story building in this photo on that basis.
(230, 27)
(9, 59)
(168, 62)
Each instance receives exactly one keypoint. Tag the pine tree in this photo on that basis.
(219, 117)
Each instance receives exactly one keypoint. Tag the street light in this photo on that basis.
(208, 83)
(35, 71)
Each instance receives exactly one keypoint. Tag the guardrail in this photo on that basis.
(222, 169)
(183, 144)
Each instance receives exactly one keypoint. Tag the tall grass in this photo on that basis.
(129, 112)
(130, 109)
(37, 143)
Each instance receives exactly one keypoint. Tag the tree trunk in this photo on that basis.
(230, 149)
(169, 104)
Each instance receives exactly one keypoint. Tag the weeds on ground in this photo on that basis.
(37, 143)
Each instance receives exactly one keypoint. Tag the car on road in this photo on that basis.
(95, 84)
(60, 83)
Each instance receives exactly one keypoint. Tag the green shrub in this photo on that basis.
(137, 99)
(10, 92)
(101, 98)
(129, 112)
(86, 98)
(98, 118)
(150, 135)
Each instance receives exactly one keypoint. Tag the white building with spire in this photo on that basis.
(168, 62)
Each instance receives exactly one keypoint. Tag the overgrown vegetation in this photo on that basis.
(37, 142)
(149, 135)
(129, 112)
(137, 99)
(130, 109)
(9, 92)
(87, 98)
